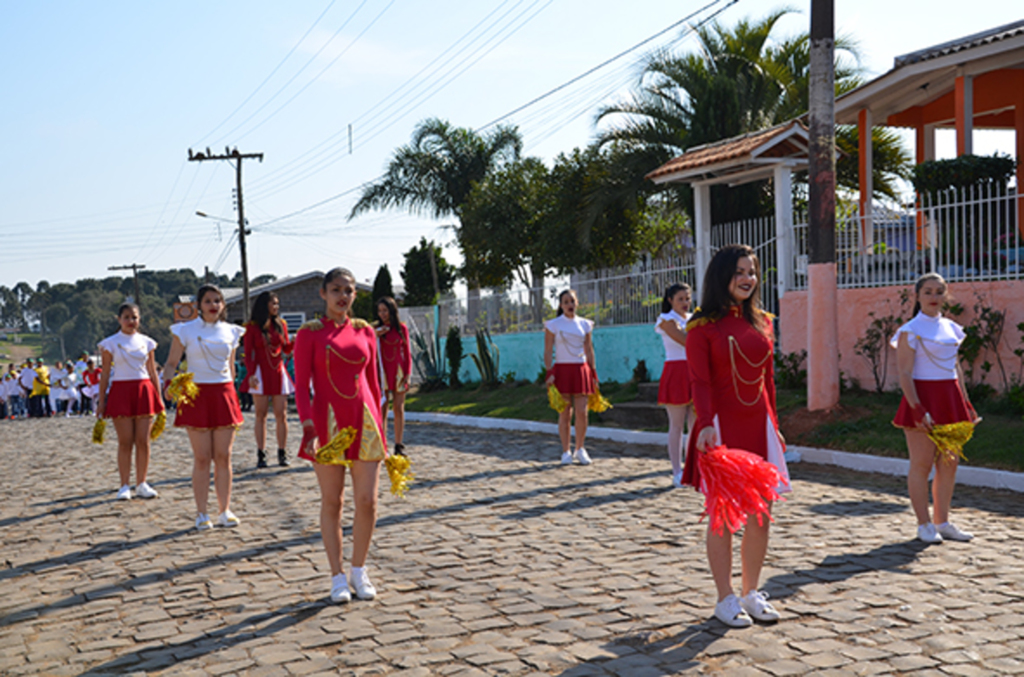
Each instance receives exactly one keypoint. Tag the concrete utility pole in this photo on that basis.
(822, 325)
(135, 268)
(230, 154)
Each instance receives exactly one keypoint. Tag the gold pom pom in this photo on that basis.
(555, 400)
(950, 439)
(398, 471)
(333, 453)
(158, 425)
(98, 430)
(596, 402)
(182, 389)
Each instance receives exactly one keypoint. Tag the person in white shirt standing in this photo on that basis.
(129, 393)
(674, 385)
(568, 337)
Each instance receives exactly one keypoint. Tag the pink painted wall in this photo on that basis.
(855, 304)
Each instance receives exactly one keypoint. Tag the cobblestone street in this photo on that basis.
(499, 561)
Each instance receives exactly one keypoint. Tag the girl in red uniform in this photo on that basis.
(573, 374)
(342, 425)
(265, 345)
(729, 354)
(129, 393)
(674, 384)
(90, 385)
(396, 358)
(927, 350)
(214, 415)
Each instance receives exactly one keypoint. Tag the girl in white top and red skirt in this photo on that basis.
(129, 393)
(214, 416)
(573, 373)
(927, 352)
(674, 385)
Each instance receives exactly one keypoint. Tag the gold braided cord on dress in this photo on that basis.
(932, 358)
(330, 379)
(736, 378)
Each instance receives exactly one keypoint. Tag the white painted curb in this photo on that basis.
(967, 475)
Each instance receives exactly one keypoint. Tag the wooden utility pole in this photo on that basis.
(135, 268)
(822, 325)
(229, 155)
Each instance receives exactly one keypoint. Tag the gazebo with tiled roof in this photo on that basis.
(773, 153)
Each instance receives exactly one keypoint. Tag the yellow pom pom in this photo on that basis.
(333, 453)
(398, 471)
(182, 389)
(158, 425)
(555, 400)
(596, 402)
(98, 430)
(950, 439)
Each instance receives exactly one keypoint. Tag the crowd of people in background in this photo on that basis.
(35, 390)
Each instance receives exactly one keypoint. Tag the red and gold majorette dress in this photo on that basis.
(131, 393)
(733, 382)
(339, 361)
(396, 357)
(936, 344)
(264, 358)
(674, 384)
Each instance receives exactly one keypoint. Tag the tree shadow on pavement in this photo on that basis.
(94, 551)
(136, 582)
(892, 557)
(859, 508)
(259, 625)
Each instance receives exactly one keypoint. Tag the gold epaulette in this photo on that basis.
(312, 325)
(358, 323)
(698, 322)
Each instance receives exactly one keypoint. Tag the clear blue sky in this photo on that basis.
(101, 102)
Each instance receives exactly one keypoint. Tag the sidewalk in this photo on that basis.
(500, 561)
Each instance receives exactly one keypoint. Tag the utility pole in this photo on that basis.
(229, 155)
(822, 324)
(135, 268)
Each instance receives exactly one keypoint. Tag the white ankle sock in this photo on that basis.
(356, 571)
(338, 579)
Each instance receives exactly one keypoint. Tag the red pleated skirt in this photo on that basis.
(674, 384)
(215, 407)
(574, 379)
(133, 399)
(942, 399)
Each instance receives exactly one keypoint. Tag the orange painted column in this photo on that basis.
(822, 337)
(963, 105)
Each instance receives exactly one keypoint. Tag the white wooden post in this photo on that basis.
(783, 184)
(702, 231)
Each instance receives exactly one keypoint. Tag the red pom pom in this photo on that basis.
(736, 484)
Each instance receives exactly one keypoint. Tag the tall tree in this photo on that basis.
(382, 284)
(418, 274)
(435, 173)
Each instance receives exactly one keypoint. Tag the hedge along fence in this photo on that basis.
(934, 176)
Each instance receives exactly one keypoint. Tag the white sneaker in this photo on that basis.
(732, 614)
(950, 532)
(362, 585)
(567, 458)
(340, 593)
(203, 522)
(124, 493)
(677, 479)
(756, 604)
(143, 490)
(228, 520)
(582, 457)
(928, 533)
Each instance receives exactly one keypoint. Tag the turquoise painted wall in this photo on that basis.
(616, 349)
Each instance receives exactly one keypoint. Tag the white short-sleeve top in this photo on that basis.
(208, 348)
(129, 353)
(673, 351)
(570, 336)
(936, 343)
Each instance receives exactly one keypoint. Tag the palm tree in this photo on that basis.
(739, 80)
(435, 173)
